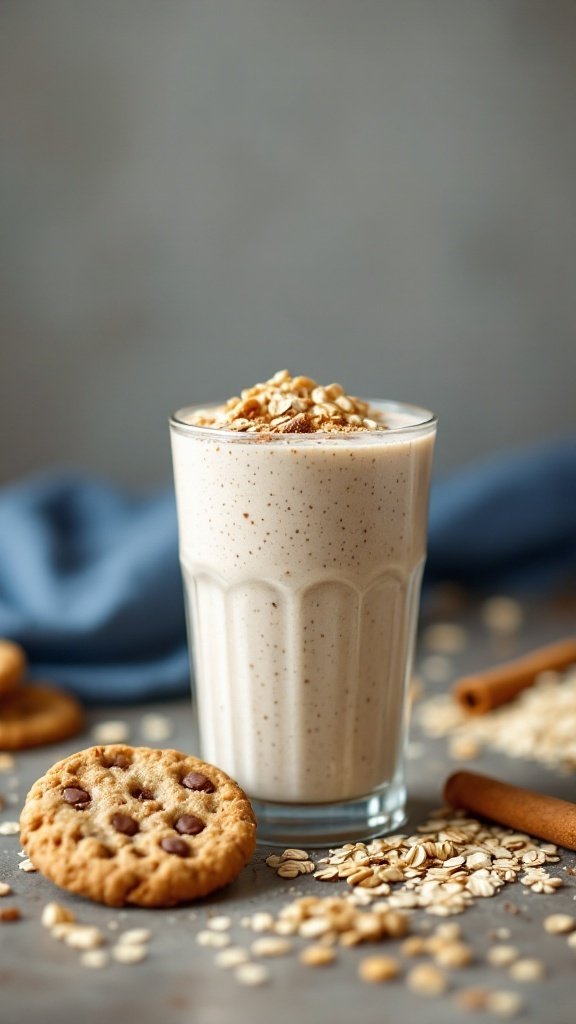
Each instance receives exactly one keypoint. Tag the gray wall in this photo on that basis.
(199, 193)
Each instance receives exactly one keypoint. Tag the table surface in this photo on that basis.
(42, 980)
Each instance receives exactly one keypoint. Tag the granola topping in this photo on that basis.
(292, 405)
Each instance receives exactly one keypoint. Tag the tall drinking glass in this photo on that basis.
(302, 557)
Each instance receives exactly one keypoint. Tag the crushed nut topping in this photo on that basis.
(292, 405)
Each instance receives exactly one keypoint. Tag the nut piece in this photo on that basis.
(378, 968)
(427, 980)
(5, 889)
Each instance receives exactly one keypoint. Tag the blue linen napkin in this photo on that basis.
(90, 582)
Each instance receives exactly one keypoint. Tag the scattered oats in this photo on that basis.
(7, 762)
(314, 927)
(219, 923)
(378, 968)
(478, 860)
(155, 727)
(55, 913)
(501, 934)
(215, 939)
(540, 725)
(82, 936)
(94, 958)
(289, 869)
(9, 828)
(231, 957)
(291, 854)
(285, 927)
(504, 1004)
(502, 614)
(527, 970)
(463, 748)
(454, 954)
(559, 924)
(126, 954)
(480, 886)
(427, 980)
(415, 945)
(62, 929)
(261, 921)
(436, 668)
(472, 999)
(134, 937)
(271, 946)
(113, 926)
(327, 874)
(27, 865)
(502, 956)
(251, 974)
(5, 889)
(110, 732)
(445, 638)
(317, 956)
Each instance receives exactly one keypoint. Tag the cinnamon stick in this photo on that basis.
(547, 817)
(486, 690)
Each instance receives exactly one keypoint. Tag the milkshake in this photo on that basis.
(302, 544)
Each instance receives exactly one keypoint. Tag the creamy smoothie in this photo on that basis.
(302, 553)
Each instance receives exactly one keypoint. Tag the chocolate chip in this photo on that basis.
(142, 794)
(125, 824)
(174, 845)
(189, 825)
(118, 761)
(197, 781)
(76, 796)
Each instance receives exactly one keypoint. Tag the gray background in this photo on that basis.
(198, 193)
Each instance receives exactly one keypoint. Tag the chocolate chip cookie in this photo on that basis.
(12, 666)
(133, 825)
(37, 713)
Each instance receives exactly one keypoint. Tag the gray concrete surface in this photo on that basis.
(41, 980)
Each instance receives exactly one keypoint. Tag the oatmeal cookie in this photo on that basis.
(38, 713)
(12, 666)
(133, 825)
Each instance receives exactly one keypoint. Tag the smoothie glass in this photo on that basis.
(302, 557)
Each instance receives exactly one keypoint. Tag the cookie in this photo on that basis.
(37, 713)
(132, 825)
(12, 666)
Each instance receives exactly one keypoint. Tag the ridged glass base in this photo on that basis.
(320, 825)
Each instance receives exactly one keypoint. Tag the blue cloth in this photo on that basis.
(90, 582)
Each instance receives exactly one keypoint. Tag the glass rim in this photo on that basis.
(420, 420)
